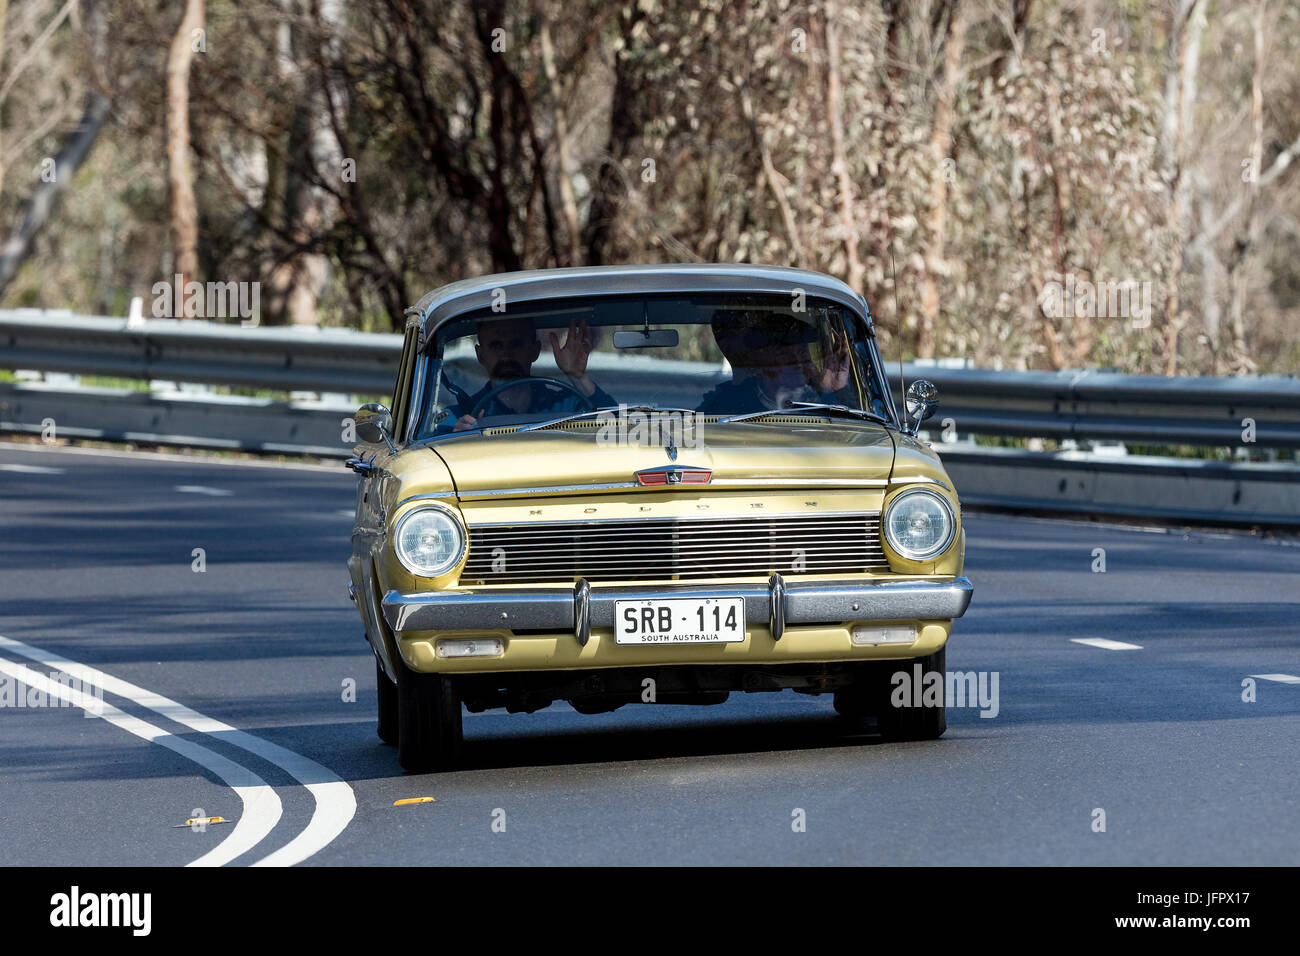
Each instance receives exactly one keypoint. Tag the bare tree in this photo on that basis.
(185, 213)
(76, 145)
(1186, 23)
(839, 162)
(954, 45)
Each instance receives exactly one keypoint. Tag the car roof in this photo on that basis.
(457, 298)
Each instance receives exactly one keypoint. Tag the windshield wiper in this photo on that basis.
(811, 406)
(604, 409)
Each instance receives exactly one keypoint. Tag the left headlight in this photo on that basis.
(919, 524)
(429, 541)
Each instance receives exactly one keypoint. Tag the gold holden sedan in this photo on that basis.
(649, 484)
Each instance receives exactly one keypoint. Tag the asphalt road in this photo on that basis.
(231, 687)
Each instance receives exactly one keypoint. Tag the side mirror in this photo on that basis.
(375, 424)
(922, 400)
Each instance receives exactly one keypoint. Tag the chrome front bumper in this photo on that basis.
(582, 607)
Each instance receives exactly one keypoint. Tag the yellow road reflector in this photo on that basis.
(196, 821)
(402, 803)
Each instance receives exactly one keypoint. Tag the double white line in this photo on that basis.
(335, 802)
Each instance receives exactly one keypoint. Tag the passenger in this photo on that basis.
(772, 363)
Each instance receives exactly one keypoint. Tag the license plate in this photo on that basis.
(680, 621)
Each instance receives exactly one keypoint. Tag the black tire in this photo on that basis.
(854, 701)
(428, 721)
(387, 705)
(912, 723)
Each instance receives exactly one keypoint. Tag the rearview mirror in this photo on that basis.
(646, 339)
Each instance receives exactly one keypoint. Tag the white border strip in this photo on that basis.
(246, 459)
(262, 807)
(336, 804)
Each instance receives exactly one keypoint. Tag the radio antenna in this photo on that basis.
(898, 322)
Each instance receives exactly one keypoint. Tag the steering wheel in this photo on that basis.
(482, 403)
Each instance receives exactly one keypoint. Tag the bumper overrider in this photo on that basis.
(580, 608)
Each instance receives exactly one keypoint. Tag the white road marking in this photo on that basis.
(32, 469)
(262, 807)
(1280, 678)
(336, 804)
(204, 490)
(1106, 644)
(165, 457)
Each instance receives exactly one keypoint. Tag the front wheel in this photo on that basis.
(902, 711)
(428, 721)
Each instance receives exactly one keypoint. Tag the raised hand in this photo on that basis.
(834, 374)
(571, 357)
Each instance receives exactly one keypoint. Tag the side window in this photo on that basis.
(402, 391)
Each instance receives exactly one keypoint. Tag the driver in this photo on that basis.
(507, 349)
(772, 363)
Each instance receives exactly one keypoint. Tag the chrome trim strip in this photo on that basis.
(920, 481)
(882, 370)
(802, 483)
(717, 516)
(554, 609)
(716, 483)
(547, 489)
(415, 404)
(433, 495)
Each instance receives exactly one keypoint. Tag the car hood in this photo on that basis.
(739, 455)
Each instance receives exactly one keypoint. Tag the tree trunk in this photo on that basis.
(560, 117)
(37, 211)
(937, 197)
(295, 284)
(1186, 23)
(839, 163)
(180, 168)
(1246, 239)
(624, 127)
(776, 183)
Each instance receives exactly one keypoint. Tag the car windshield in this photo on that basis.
(714, 354)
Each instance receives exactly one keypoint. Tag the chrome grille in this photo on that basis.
(675, 548)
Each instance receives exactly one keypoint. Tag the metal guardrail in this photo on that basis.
(1094, 405)
(169, 417)
(1179, 489)
(331, 360)
(1080, 405)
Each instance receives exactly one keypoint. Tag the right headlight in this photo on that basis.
(429, 541)
(919, 524)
